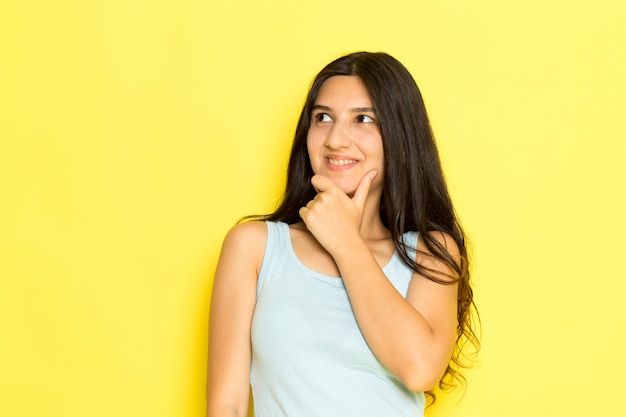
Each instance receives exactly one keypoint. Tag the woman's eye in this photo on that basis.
(364, 119)
(322, 117)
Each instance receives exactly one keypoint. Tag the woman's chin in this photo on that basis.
(348, 189)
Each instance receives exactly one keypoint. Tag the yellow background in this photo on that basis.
(134, 133)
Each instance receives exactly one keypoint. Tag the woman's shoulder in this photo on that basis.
(434, 262)
(247, 233)
(244, 245)
(443, 239)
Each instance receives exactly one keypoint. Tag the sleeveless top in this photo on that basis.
(309, 357)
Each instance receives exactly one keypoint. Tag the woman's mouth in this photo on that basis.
(340, 162)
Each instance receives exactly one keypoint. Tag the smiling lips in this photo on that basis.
(340, 163)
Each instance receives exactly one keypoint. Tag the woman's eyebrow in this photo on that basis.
(320, 107)
(352, 110)
(362, 110)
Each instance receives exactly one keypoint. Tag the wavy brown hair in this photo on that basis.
(415, 196)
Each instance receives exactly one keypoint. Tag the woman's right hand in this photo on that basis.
(332, 216)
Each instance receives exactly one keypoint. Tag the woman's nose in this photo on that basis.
(338, 137)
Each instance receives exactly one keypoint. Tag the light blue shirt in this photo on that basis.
(309, 357)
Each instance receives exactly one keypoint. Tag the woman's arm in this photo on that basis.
(414, 336)
(232, 305)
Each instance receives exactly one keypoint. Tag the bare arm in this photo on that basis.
(414, 336)
(232, 305)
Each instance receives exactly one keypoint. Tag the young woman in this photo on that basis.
(353, 297)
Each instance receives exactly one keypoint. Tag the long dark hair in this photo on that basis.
(415, 196)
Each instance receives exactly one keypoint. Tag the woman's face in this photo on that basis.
(344, 141)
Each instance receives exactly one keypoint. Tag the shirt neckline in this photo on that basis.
(337, 281)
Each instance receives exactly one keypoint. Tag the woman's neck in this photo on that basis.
(372, 227)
